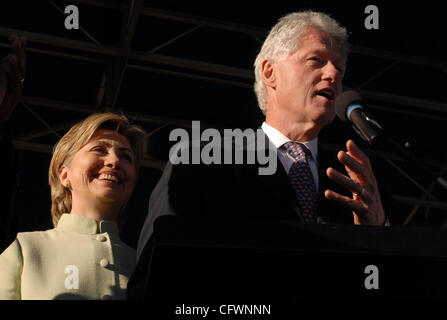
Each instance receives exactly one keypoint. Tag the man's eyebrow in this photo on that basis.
(324, 51)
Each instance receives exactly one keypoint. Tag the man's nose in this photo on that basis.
(331, 73)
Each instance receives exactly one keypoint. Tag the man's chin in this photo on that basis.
(325, 119)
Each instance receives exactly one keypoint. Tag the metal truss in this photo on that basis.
(117, 59)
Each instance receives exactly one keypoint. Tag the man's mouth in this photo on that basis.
(327, 93)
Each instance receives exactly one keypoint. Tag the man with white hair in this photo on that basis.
(299, 72)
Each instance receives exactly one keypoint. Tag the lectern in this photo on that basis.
(220, 258)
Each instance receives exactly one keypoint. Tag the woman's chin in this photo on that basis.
(111, 198)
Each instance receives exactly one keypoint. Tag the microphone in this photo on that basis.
(349, 107)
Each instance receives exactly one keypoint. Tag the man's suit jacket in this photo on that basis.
(239, 191)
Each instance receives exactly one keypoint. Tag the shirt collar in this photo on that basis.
(278, 139)
(80, 224)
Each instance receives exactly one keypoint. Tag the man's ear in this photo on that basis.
(268, 73)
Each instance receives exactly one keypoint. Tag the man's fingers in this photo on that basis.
(14, 86)
(365, 202)
(24, 41)
(356, 206)
(12, 37)
(352, 164)
(21, 55)
(343, 180)
(357, 153)
(14, 72)
(18, 45)
(348, 183)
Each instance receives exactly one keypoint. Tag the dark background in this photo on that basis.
(166, 63)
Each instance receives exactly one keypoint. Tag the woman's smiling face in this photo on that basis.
(102, 171)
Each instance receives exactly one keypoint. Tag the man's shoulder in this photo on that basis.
(235, 150)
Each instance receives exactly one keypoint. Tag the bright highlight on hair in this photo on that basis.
(284, 39)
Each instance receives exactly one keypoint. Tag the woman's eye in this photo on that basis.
(98, 149)
(127, 157)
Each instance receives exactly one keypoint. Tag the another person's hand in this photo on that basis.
(12, 75)
(365, 202)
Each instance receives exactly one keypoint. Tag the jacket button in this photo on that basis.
(104, 263)
(101, 238)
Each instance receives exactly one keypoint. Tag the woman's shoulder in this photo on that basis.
(36, 236)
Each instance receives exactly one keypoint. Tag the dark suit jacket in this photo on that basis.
(239, 191)
(8, 189)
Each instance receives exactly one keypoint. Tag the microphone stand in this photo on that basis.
(348, 106)
(382, 140)
(404, 152)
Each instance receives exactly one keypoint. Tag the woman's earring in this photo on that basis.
(68, 185)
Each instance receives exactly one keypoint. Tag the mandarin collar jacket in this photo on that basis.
(71, 261)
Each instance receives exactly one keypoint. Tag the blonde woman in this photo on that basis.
(92, 175)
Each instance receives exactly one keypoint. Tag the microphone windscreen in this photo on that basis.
(344, 100)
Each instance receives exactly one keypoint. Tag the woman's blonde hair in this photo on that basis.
(77, 137)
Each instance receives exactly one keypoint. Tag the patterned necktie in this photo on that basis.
(302, 181)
